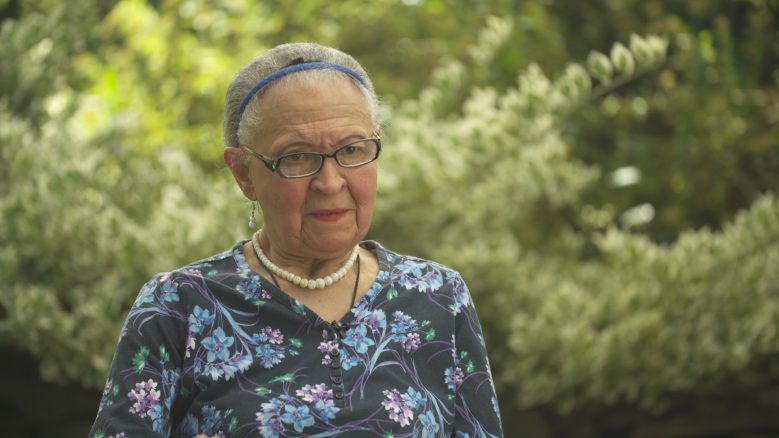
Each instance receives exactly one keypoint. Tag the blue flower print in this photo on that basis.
(270, 425)
(269, 349)
(453, 377)
(347, 361)
(327, 410)
(402, 325)
(411, 268)
(417, 399)
(198, 318)
(218, 345)
(269, 355)
(147, 293)
(212, 420)
(169, 292)
(252, 290)
(189, 426)
(429, 425)
(299, 417)
(375, 320)
(356, 337)
(461, 298)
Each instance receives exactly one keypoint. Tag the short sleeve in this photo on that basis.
(476, 405)
(143, 379)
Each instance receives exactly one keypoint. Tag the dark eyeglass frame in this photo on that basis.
(273, 164)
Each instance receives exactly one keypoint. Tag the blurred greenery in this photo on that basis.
(603, 173)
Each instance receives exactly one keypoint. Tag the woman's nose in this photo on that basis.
(330, 178)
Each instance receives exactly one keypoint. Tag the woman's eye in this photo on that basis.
(294, 157)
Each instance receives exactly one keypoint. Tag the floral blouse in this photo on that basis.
(214, 348)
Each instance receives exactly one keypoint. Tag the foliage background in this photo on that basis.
(615, 215)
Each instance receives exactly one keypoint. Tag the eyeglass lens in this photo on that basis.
(307, 163)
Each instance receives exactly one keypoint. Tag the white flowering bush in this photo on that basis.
(84, 223)
(578, 311)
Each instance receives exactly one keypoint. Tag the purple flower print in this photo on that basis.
(146, 399)
(299, 417)
(325, 348)
(400, 406)
(315, 393)
(411, 342)
(453, 377)
(269, 349)
(218, 345)
(269, 335)
(356, 337)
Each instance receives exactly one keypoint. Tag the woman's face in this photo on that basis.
(326, 214)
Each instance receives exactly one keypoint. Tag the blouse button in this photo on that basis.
(337, 393)
(336, 379)
(335, 364)
(333, 352)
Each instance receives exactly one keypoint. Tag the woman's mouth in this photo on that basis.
(329, 215)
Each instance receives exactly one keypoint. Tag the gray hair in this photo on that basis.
(236, 134)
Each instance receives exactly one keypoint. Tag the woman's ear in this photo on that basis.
(234, 160)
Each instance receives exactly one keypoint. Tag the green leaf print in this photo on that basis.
(392, 293)
(164, 355)
(139, 359)
(289, 377)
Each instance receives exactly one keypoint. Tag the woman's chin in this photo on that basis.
(334, 244)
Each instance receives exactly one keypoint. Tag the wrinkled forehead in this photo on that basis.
(321, 112)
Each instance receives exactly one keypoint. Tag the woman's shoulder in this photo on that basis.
(228, 262)
(391, 260)
(419, 278)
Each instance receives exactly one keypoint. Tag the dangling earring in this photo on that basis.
(252, 219)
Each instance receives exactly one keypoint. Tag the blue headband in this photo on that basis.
(294, 68)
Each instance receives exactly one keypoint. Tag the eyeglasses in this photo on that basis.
(303, 164)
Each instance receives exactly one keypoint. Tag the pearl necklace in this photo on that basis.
(310, 283)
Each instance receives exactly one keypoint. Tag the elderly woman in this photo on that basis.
(306, 329)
